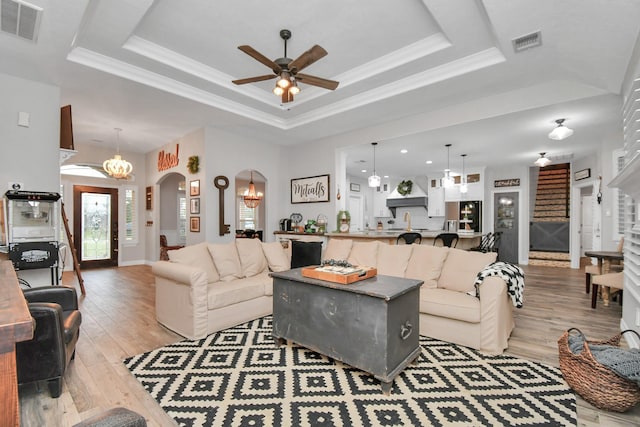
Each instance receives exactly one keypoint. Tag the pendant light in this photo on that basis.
(117, 167)
(251, 198)
(463, 180)
(542, 160)
(561, 131)
(374, 180)
(447, 181)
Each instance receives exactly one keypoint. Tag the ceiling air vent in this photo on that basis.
(20, 19)
(527, 42)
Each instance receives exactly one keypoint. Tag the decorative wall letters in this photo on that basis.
(168, 160)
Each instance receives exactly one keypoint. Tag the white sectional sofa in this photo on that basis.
(208, 287)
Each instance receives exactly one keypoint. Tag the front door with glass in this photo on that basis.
(95, 226)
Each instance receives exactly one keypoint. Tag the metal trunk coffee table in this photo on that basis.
(371, 325)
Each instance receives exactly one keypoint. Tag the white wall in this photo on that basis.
(29, 154)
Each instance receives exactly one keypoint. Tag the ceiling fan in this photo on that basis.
(287, 70)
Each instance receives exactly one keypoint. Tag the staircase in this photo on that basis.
(549, 232)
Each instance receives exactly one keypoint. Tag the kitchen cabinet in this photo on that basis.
(436, 201)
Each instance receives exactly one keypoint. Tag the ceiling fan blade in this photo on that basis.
(254, 79)
(260, 58)
(307, 58)
(317, 81)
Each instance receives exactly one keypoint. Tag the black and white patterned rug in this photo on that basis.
(238, 377)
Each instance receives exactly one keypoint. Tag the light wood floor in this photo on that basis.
(119, 321)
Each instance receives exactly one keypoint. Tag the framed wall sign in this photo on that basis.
(194, 224)
(354, 187)
(194, 188)
(195, 206)
(583, 174)
(312, 189)
(511, 182)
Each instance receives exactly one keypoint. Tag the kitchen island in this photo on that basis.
(466, 241)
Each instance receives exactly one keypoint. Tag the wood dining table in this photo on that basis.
(604, 266)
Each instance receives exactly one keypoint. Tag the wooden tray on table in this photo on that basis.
(340, 274)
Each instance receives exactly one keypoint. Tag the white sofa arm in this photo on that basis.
(181, 298)
(496, 314)
(179, 273)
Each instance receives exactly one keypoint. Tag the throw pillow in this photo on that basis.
(461, 268)
(364, 254)
(338, 249)
(426, 264)
(196, 256)
(225, 257)
(251, 257)
(277, 257)
(305, 253)
(393, 259)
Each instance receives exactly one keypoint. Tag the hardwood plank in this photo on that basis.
(119, 321)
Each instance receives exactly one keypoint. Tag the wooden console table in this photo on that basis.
(15, 325)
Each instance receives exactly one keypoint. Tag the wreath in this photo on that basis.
(193, 164)
(404, 187)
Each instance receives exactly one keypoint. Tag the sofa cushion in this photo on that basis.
(225, 257)
(338, 249)
(393, 259)
(252, 259)
(196, 256)
(450, 304)
(426, 264)
(224, 294)
(364, 253)
(277, 257)
(461, 268)
(305, 253)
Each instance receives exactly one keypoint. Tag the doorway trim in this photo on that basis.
(523, 213)
(574, 224)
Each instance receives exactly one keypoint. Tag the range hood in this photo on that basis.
(417, 198)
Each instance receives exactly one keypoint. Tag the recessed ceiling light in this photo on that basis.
(363, 171)
(386, 176)
(429, 162)
(404, 151)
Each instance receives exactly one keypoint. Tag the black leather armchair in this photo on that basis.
(57, 326)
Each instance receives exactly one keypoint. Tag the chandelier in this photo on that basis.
(374, 180)
(117, 167)
(251, 198)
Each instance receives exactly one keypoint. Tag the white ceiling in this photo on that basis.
(445, 68)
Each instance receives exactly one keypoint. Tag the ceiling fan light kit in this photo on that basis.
(288, 71)
(560, 132)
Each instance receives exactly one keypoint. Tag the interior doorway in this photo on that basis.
(95, 226)
(172, 199)
(356, 211)
(586, 223)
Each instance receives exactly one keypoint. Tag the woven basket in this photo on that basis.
(596, 383)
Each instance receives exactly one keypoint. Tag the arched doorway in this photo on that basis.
(247, 217)
(173, 209)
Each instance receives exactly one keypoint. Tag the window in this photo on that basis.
(247, 217)
(182, 218)
(624, 206)
(130, 216)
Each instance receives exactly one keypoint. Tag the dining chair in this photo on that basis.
(610, 280)
(448, 239)
(409, 238)
(593, 269)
